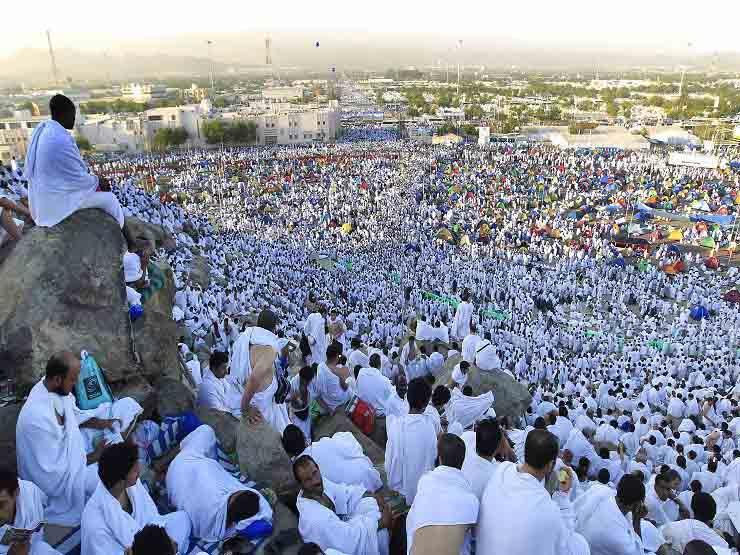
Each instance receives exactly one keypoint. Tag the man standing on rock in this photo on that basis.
(253, 364)
(60, 183)
(51, 448)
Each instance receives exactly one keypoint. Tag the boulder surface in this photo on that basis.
(62, 288)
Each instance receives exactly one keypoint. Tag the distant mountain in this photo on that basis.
(186, 55)
(34, 67)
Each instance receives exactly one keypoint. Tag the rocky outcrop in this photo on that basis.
(223, 423)
(62, 288)
(200, 272)
(156, 333)
(156, 235)
(8, 418)
(173, 397)
(263, 459)
(511, 398)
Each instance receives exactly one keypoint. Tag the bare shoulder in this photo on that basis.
(262, 356)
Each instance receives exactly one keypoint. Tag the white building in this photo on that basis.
(282, 94)
(15, 134)
(188, 116)
(294, 125)
(114, 133)
(143, 92)
(283, 124)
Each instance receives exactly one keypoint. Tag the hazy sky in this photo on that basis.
(710, 25)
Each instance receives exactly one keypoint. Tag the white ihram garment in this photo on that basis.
(460, 504)
(29, 514)
(59, 180)
(54, 457)
(200, 486)
(517, 515)
(351, 528)
(411, 451)
(606, 529)
(341, 459)
(109, 530)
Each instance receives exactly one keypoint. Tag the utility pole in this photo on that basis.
(210, 65)
(54, 71)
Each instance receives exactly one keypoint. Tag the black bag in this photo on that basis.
(304, 345)
(283, 387)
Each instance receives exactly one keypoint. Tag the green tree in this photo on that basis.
(473, 111)
(167, 137)
(214, 131)
(611, 108)
(83, 143)
(240, 132)
(217, 131)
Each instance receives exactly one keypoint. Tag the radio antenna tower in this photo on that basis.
(53, 60)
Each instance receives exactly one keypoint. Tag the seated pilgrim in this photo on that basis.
(59, 444)
(121, 506)
(215, 387)
(22, 507)
(154, 540)
(339, 516)
(445, 510)
(11, 228)
(218, 504)
(60, 183)
(340, 457)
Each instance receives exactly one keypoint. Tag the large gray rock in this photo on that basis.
(510, 397)
(62, 289)
(200, 271)
(158, 236)
(263, 459)
(223, 423)
(156, 333)
(8, 418)
(173, 397)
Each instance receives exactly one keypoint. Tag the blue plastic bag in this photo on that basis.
(91, 389)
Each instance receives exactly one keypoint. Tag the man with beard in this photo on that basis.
(52, 450)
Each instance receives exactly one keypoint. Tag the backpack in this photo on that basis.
(91, 389)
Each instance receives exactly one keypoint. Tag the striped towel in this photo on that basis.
(170, 431)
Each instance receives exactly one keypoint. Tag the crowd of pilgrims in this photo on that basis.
(629, 444)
